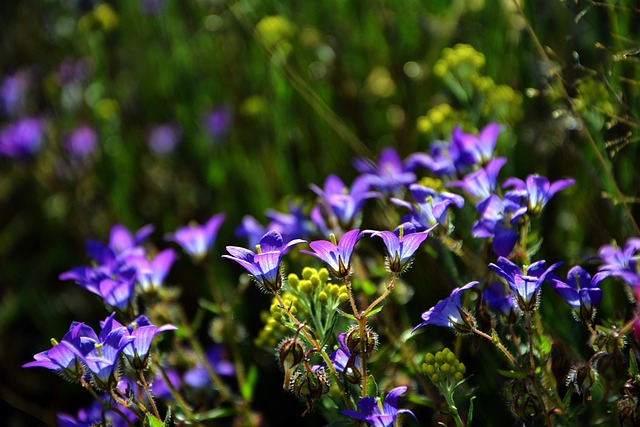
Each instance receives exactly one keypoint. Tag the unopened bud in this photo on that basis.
(353, 340)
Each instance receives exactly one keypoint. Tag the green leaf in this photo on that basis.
(215, 414)
(633, 363)
(373, 311)
(249, 386)
(543, 343)
(470, 414)
(152, 421)
(347, 315)
(512, 374)
(372, 386)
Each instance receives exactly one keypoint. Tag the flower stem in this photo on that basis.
(149, 396)
(494, 339)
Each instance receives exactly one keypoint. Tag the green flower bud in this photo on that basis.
(353, 340)
(307, 272)
(315, 280)
(293, 280)
(323, 273)
(323, 297)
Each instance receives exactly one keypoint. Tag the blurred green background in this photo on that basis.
(266, 97)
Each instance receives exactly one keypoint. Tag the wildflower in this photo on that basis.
(62, 358)
(163, 139)
(23, 139)
(342, 205)
(346, 362)
(337, 257)
(481, 183)
(196, 240)
(401, 245)
(143, 333)
(292, 225)
(13, 91)
(151, 273)
(537, 190)
(251, 229)
(379, 414)
(476, 150)
(95, 413)
(389, 175)
(524, 283)
(580, 291)
(440, 160)
(121, 240)
(103, 361)
(430, 208)
(117, 293)
(499, 298)
(449, 312)
(621, 262)
(497, 222)
(81, 142)
(264, 266)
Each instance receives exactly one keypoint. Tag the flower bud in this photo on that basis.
(353, 340)
(290, 354)
(310, 384)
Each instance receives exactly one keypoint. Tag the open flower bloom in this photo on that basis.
(580, 291)
(337, 257)
(497, 222)
(379, 414)
(340, 203)
(538, 190)
(197, 240)
(430, 208)
(449, 312)
(389, 175)
(402, 244)
(151, 273)
(524, 283)
(143, 333)
(481, 183)
(622, 262)
(476, 150)
(264, 266)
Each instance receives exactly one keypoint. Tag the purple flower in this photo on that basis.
(62, 358)
(93, 416)
(216, 122)
(476, 150)
(498, 296)
(151, 273)
(440, 160)
(524, 283)
(498, 222)
(23, 139)
(121, 240)
(449, 312)
(103, 361)
(339, 205)
(345, 362)
(264, 266)
(402, 244)
(580, 291)
(143, 333)
(163, 139)
(81, 142)
(292, 225)
(389, 175)
(379, 414)
(430, 208)
(196, 240)
(481, 183)
(198, 377)
(337, 257)
(621, 262)
(537, 190)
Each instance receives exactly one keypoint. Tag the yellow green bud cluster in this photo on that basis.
(593, 95)
(462, 60)
(440, 121)
(443, 367)
(315, 286)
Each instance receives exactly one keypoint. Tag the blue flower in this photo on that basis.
(264, 266)
(524, 283)
(379, 414)
(340, 206)
(622, 262)
(402, 244)
(537, 190)
(197, 240)
(497, 222)
(143, 333)
(345, 362)
(580, 291)
(23, 139)
(337, 257)
(449, 312)
(430, 208)
(498, 296)
(481, 183)
(390, 175)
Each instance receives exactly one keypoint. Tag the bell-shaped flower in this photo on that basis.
(336, 256)
(496, 222)
(196, 240)
(389, 175)
(481, 183)
(538, 189)
(402, 244)
(499, 298)
(476, 150)
(264, 266)
(151, 273)
(143, 333)
(622, 262)
(430, 207)
(449, 312)
(580, 291)
(524, 283)
(377, 413)
(341, 205)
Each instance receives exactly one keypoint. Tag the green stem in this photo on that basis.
(453, 409)
(149, 396)
(175, 393)
(498, 344)
(533, 375)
